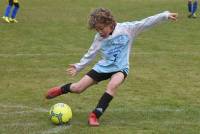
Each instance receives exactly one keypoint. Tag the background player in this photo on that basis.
(7, 18)
(192, 8)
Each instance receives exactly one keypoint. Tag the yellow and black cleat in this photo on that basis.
(6, 19)
(13, 20)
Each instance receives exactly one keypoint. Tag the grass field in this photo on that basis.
(160, 95)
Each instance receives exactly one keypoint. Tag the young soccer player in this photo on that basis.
(192, 8)
(7, 18)
(113, 41)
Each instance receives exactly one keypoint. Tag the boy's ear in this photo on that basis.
(113, 26)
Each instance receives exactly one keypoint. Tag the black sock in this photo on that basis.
(103, 104)
(66, 88)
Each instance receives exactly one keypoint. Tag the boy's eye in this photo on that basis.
(99, 29)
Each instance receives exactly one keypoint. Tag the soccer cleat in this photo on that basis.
(13, 20)
(194, 16)
(53, 92)
(6, 19)
(93, 120)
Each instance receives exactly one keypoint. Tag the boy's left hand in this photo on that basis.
(173, 16)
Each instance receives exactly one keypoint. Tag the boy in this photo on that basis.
(192, 8)
(6, 17)
(113, 40)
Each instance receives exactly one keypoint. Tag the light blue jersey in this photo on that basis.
(115, 49)
(115, 54)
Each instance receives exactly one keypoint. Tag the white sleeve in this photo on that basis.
(89, 56)
(136, 27)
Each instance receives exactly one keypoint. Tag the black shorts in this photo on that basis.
(102, 76)
(15, 2)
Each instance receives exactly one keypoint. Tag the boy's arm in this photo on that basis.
(89, 56)
(138, 26)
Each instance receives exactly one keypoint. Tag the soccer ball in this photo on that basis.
(60, 113)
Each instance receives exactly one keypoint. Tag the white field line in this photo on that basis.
(71, 54)
(21, 109)
(20, 124)
(55, 130)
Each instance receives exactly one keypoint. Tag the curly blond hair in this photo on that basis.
(101, 16)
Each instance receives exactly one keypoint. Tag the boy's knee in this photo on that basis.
(112, 86)
(77, 88)
(10, 2)
(111, 91)
(16, 5)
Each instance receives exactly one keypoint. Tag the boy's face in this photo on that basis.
(104, 30)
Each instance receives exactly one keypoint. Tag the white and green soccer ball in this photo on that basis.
(60, 113)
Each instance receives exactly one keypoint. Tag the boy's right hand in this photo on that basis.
(71, 70)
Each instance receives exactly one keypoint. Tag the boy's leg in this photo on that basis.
(194, 7)
(190, 8)
(7, 11)
(106, 98)
(77, 87)
(8, 8)
(82, 85)
(14, 12)
(115, 81)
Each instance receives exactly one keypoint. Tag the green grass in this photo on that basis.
(160, 95)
